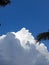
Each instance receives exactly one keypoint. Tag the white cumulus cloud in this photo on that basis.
(19, 48)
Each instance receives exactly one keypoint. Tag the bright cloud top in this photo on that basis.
(19, 48)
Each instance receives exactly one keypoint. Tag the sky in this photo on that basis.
(19, 48)
(31, 14)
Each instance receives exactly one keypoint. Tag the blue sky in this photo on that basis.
(31, 14)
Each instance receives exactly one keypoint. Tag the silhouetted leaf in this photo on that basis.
(4, 2)
(43, 36)
(0, 24)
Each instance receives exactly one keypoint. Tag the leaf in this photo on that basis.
(4, 2)
(43, 36)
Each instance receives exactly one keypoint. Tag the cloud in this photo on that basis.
(19, 48)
